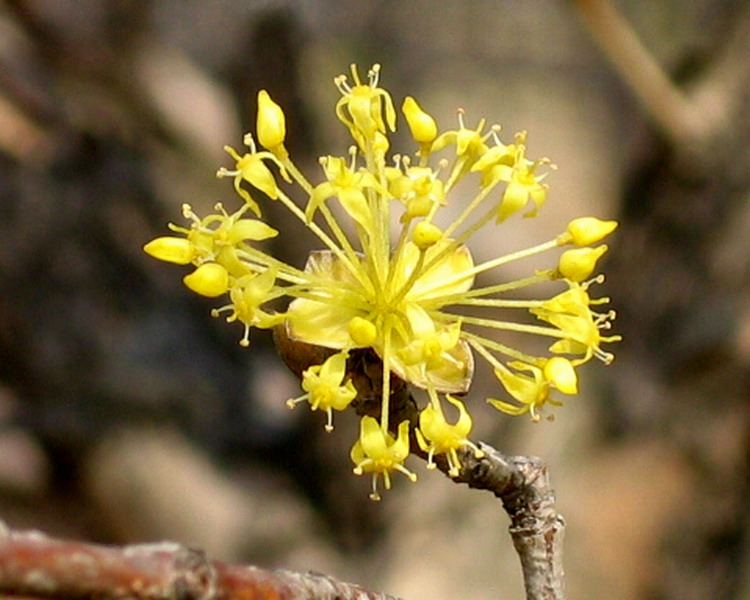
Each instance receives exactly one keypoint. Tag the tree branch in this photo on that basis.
(522, 483)
(677, 116)
(34, 565)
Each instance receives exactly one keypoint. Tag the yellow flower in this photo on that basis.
(216, 245)
(363, 332)
(496, 164)
(561, 373)
(325, 387)
(578, 264)
(394, 273)
(379, 453)
(251, 168)
(171, 249)
(469, 147)
(419, 188)
(580, 327)
(246, 295)
(524, 185)
(348, 186)
(363, 106)
(431, 345)
(410, 342)
(426, 235)
(585, 231)
(210, 237)
(436, 436)
(532, 391)
(210, 279)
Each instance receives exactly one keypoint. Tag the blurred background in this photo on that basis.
(127, 414)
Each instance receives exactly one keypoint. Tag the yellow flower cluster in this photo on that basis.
(394, 276)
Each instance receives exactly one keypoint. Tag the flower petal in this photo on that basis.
(325, 322)
(452, 376)
(443, 278)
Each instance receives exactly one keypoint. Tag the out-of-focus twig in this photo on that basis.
(20, 137)
(33, 565)
(678, 118)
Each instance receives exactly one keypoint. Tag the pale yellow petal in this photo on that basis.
(443, 278)
(320, 323)
(452, 376)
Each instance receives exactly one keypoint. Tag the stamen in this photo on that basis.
(245, 340)
(373, 75)
(494, 131)
(461, 112)
(293, 402)
(224, 172)
(342, 85)
(187, 213)
(249, 141)
(215, 312)
(374, 495)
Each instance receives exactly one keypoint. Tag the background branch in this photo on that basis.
(32, 564)
(674, 114)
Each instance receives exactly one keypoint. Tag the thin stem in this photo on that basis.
(343, 297)
(498, 303)
(339, 234)
(511, 326)
(413, 276)
(481, 343)
(325, 238)
(298, 176)
(259, 258)
(490, 264)
(455, 299)
(386, 382)
(476, 201)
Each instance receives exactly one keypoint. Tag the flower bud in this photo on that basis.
(426, 235)
(422, 126)
(363, 332)
(171, 249)
(578, 264)
(561, 373)
(589, 230)
(271, 123)
(210, 279)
